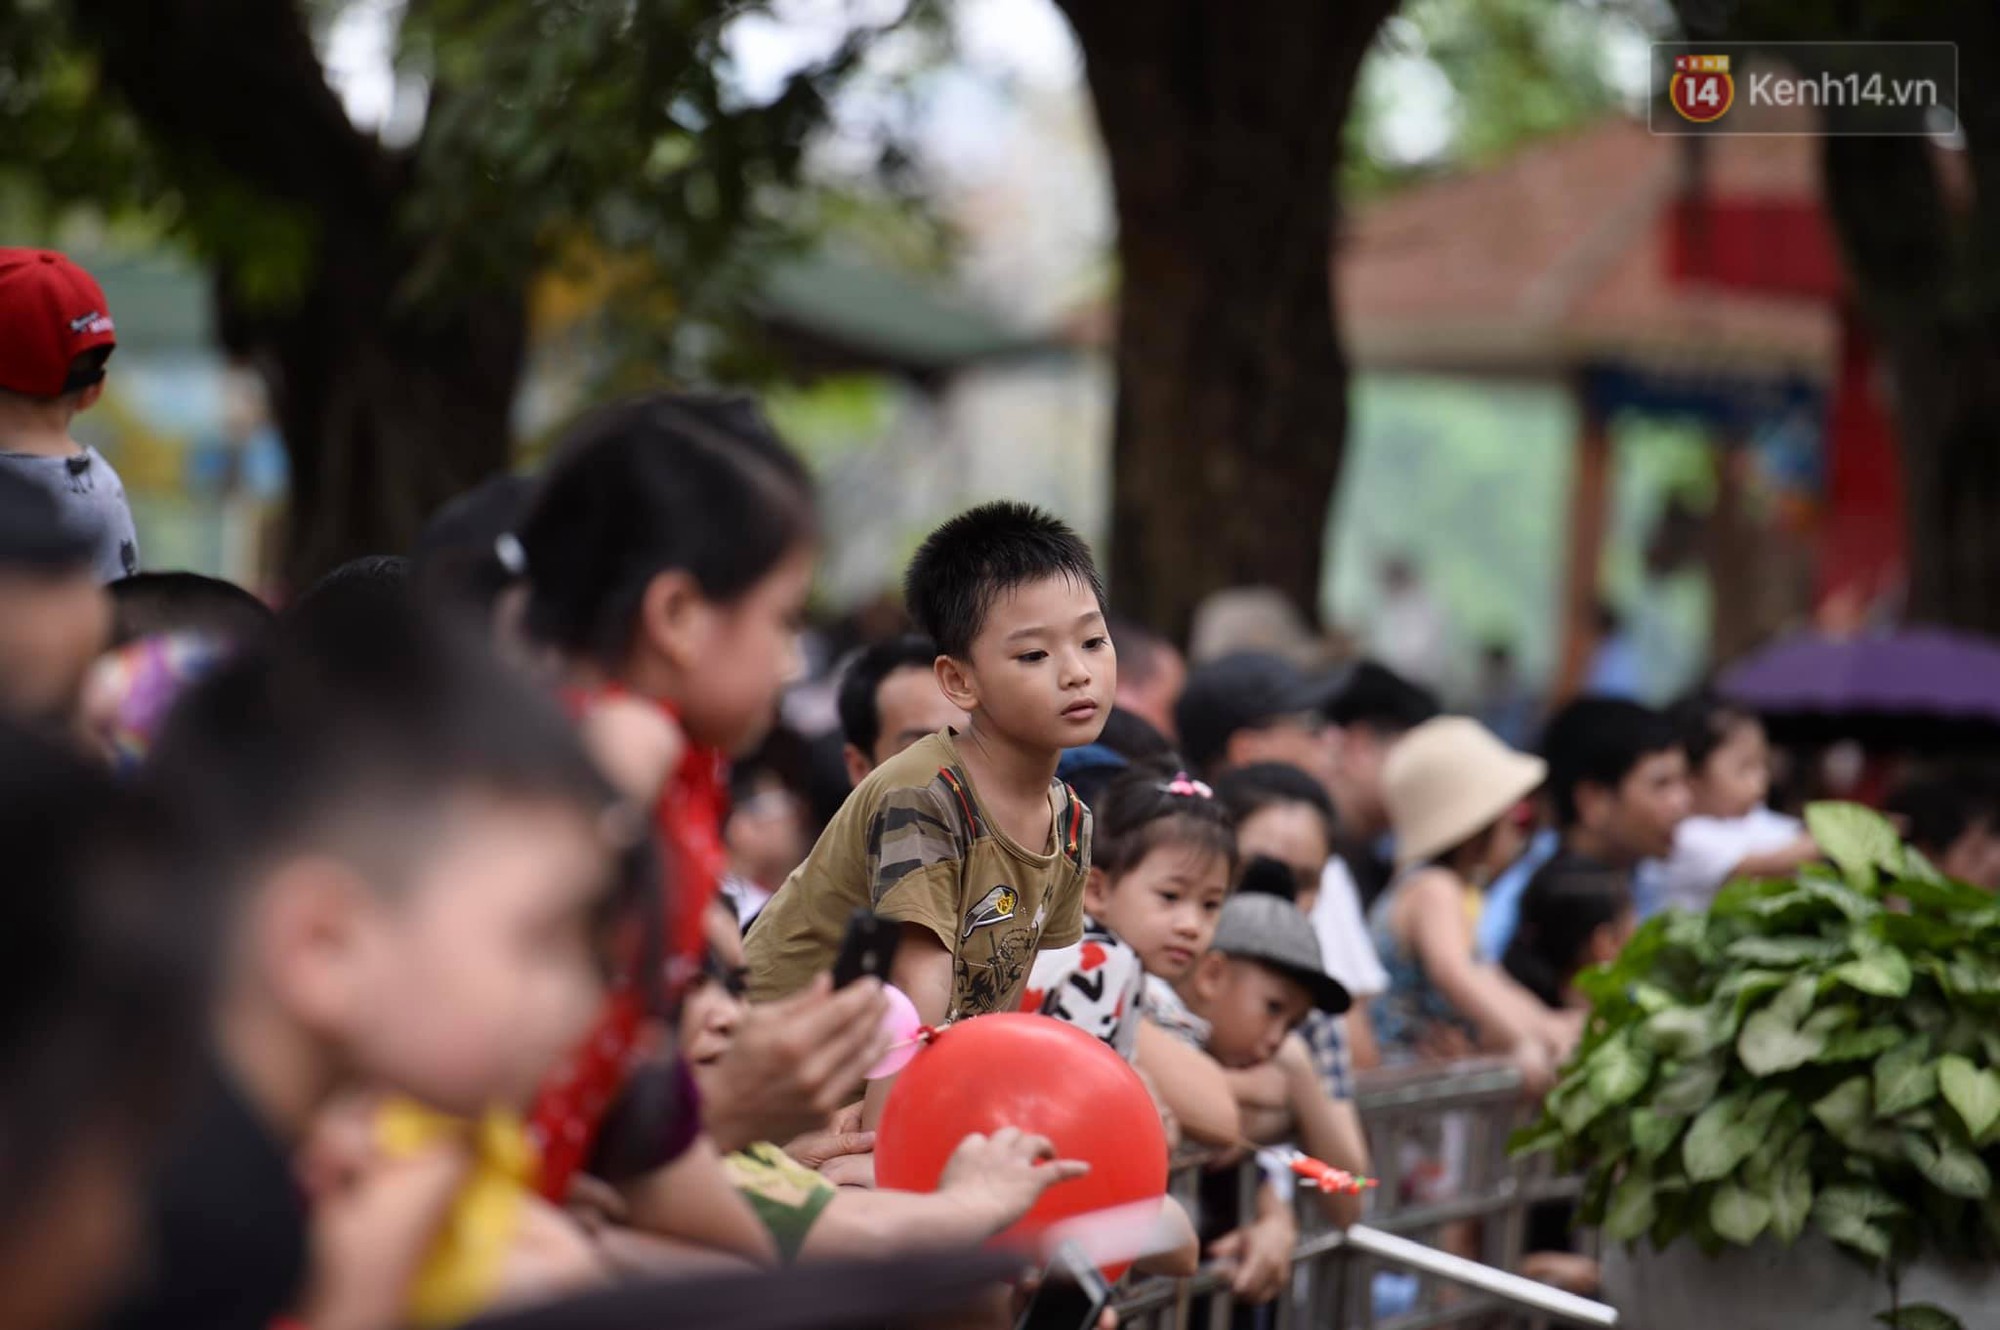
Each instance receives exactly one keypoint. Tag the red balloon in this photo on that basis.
(1046, 1077)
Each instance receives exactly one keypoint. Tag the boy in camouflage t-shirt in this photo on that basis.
(968, 839)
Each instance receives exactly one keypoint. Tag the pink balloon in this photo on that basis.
(901, 1023)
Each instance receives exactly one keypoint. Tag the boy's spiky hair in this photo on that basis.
(968, 562)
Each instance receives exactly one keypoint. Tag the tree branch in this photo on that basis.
(238, 81)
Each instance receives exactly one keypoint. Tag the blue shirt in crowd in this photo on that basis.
(1502, 911)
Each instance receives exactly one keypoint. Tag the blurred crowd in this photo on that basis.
(463, 936)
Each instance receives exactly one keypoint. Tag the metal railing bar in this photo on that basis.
(1511, 1288)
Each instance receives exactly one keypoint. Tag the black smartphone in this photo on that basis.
(1072, 1296)
(866, 951)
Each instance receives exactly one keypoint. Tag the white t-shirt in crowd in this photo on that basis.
(1706, 849)
(1344, 942)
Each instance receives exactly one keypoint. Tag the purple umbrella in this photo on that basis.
(1925, 673)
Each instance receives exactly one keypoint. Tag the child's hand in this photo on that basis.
(372, 1229)
(793, 1063)
(1002, 1176)
(843, 1137)
(1260, 1255)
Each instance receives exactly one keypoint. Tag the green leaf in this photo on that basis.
(1577, 1108)
(1847, 897)
(1679, 1032)
(1772, 1040)
(1739, 1215)
(1883, 972)
(1857, 839)
(1718, 1141)
(1951, 1168)
(1844, 1110)
(1788, 952)
(1905, 1077)
(1920, 1316)
(1830, 1020)
(1653, 1132)
(1848, 1215)
(1970, 976)
(1687, 1091)
(1631, 1211)
(1917, 867)
(1617, 1071)
(1855, 1045)
(1791, 1201)
(1973, 1093)
(1543, 1134)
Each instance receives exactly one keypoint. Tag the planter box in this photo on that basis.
(1768, 1287)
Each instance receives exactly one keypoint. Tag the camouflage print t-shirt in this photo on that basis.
(914, 844)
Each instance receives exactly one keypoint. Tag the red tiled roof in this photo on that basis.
(1558, 256)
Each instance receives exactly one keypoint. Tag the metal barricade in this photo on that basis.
(1437, 1137)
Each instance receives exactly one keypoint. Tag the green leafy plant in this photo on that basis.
(1816, 1051)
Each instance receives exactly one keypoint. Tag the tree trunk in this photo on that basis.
(386, 411)
(389, 403)
(1925, 281)
(1222, 123)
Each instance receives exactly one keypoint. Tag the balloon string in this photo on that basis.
(924, 1035)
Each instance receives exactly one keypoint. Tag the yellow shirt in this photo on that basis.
(914, 844)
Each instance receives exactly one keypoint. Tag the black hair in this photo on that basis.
(87, 370)
(457, 560)
(1141, 651)
(1137, 813)
(1566, 902)
(693, 482)
(967, 564)
(329, 737)
(1248, 790)
(353, 599)
(861, 683)
(1704, 723)
(1379, 699)
(1265, 876)
(1937, 810)
(1598, 741)
(1135, 738)
(146, 604)
(105, 948)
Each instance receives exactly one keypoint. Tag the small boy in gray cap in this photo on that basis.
(1261, 977)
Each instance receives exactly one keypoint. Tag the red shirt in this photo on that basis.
(688, 817)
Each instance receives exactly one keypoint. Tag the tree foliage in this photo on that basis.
(552, 131)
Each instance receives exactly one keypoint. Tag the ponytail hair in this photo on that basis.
(686, 481)
(1148, 807)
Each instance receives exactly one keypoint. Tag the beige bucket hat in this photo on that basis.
(1449, 779)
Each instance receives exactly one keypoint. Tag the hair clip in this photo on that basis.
(507, 549)
(1187, 787)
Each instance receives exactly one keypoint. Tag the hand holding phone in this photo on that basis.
(866, 951)
(1073, 1295)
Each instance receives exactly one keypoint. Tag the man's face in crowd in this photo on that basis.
(1356, 785)
(1153, 699)
(909, 705)
(1304, 741)
(1637, 820)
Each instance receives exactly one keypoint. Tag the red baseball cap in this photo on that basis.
(51, 312)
